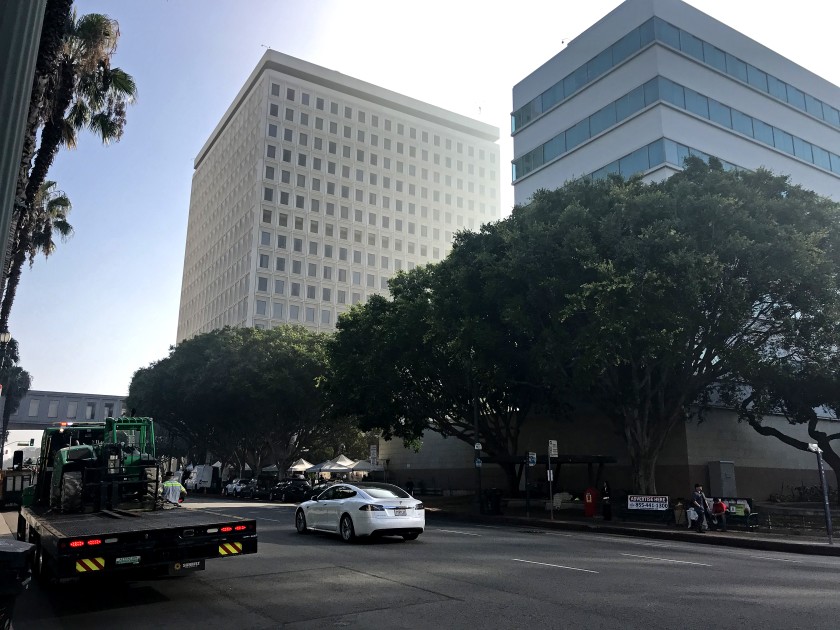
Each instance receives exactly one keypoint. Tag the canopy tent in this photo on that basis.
(341, 460)
(364, 465)
(299, 466)
(329, 466)
(270, 468)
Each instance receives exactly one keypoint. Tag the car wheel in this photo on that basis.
(300, 522)
(348, 534)
(410, 536)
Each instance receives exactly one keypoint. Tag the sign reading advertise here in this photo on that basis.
(647, 502)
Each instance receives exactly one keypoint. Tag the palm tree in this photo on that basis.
(47, 215)
(83, 92)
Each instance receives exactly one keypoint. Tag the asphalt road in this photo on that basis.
(457, 575)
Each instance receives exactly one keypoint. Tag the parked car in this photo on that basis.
(254, 490)
(232, 489)
(363, 509)
(291, 491)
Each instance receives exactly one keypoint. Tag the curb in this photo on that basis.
(814, 549)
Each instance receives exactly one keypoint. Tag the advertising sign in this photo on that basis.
(647, 502)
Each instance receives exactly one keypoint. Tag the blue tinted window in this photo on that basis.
(720, 113)
(599, 65)
(691, 45)
(602, 119)
(609, 169)
(671, 153)
(671, 92)
(696, 103)
(757, 78)
(813, 106)
(795, 97)
(651, 91)
(577, 134)
(551, 96)
(682, 154)
(802, 149)
(666, 33)
(782, 140)
(736, 67)
(742, 123)
(698, 154)
(714, 56)
(831, 114)
(762, 132)
(634, 163)
(629, 104)
(646, 33)
(555, 147)
(835, 162)
(777, 88)
(656, 153)
(625, 46)
(821, 158)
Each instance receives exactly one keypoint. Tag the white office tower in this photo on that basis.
(316, 188)
(656, 80)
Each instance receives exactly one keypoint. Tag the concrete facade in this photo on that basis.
(40, 409)
(656, 80)
(315, 188)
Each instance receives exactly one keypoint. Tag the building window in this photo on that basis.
(72, 409)
(109, 410)
(53, 410)
(90, 411)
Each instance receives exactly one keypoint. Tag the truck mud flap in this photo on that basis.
(186, 566)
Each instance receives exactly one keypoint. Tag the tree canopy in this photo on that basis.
(244, 394)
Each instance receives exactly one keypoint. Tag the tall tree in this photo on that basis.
(667, 286)
(82, 91)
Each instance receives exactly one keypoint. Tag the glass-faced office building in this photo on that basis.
(657, 80)
(315, 188)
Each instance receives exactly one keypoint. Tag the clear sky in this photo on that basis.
(106, 302)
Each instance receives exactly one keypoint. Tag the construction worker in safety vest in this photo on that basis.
(173, 491)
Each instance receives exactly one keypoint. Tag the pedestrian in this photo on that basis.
(719, 510)
(173, 491)
(409, 486)
(698, 502)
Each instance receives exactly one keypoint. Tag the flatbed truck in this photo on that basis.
(96, 508)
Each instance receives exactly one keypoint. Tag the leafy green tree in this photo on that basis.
(437, 356)
(654, 292)
(246, 395)
(75, 88)
(15, 381)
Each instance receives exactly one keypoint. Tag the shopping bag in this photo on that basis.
(692, 514)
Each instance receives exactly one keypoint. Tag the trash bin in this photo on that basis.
(15, 559)
(491, 501)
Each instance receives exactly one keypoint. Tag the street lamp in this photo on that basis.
(814, 448)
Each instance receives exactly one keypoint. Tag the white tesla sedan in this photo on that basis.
(363, 509)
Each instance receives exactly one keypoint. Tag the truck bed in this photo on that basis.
(117, 522)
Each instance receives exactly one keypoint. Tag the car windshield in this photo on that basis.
(384, 491)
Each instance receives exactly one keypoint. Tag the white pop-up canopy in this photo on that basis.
(300, 465)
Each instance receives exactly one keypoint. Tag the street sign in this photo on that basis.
(552, 448)
(532, 459)
(478, 462)
(478, 446)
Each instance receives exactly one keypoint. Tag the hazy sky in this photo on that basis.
(106, 303)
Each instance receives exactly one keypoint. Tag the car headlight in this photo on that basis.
(371, 507)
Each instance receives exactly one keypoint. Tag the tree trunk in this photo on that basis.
(644, 469)
(832, 459)
(18, 258)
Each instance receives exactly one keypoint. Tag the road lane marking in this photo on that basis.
(699, 564)
(778, 559)
(453, 531)
(556, 566)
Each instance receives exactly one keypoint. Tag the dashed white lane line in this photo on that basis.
(453, 531)
(777, 559)
(556, 566)
(699, 564)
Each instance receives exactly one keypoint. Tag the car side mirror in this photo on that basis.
(314, 497)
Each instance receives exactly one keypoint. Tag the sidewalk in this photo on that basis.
(462, 508)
